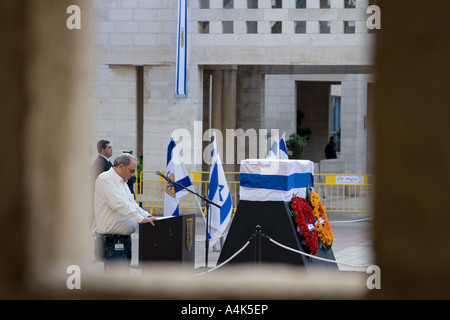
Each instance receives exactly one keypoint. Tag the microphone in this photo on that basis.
(174, 183)
(159, 173)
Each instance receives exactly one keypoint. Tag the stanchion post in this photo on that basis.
(258, 245)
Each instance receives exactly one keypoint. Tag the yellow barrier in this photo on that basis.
(338, 192)
(345, 192)
(150, 190)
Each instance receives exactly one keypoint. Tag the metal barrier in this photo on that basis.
(150, 190)
(338, 192)
(345, 192)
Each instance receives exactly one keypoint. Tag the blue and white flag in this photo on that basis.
(283, 154)
(278, 149)
(218, 193)
(275, 179)
(180, 76)
(176, 171)
(274, 151)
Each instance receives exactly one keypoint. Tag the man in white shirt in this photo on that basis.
(116, 211)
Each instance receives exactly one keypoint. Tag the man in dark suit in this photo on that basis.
(330, 149)
(102, 162)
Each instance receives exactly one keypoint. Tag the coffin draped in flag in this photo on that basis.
(176, 171)
(181, 58)
(218, 193)
(275, 179)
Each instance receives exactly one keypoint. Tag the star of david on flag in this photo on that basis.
(176, 171)
(218, 193)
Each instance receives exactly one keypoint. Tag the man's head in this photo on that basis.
(104, 148)
(125, 165)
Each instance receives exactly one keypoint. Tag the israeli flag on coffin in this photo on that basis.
(275, 180)
(176, 171)
(218, 193)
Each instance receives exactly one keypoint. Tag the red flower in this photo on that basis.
(305, 216)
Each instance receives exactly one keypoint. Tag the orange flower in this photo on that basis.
(324, 232)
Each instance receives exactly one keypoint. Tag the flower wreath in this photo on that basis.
(305, 218)
(323, 226)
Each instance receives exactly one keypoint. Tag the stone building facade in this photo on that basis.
(251, 64)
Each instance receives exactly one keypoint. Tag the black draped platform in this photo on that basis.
(276, 222)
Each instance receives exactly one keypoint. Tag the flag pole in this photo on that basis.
(207, 205)
(207, 238)
(200, 207)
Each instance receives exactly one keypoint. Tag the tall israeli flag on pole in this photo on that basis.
(274, 151)
(283, 154)
(278, 149)
(177, 172)
(218, 193)
(180, 76)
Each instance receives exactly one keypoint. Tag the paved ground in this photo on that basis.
(352, 240)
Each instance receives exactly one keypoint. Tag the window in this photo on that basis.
(349, 3)
(300, 26)
(252, 4)
(300, 4)
(324, 26)
(325, 4)
(277, 4)
(203, 27)
(227, 26)
(228, 4)
(349, 26)
(275, 26)
(203, 4)
(335, 119)
(252, 26)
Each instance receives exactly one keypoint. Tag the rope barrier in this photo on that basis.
(224, 235)
(350, 221)
(312, 256)
(331, 222)
(229, 259)
(286, 248)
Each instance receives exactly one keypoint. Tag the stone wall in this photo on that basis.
(131, 33)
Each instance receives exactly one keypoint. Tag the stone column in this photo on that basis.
(353, 130)
(217, 89)
(229, 99)
(224, 109)
(46, 203)
(229, 117)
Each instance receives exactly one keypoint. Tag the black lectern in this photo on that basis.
(171, 239)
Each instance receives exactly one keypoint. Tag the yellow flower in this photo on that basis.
(324, 232)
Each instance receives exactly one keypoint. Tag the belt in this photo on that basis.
(117, 236)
